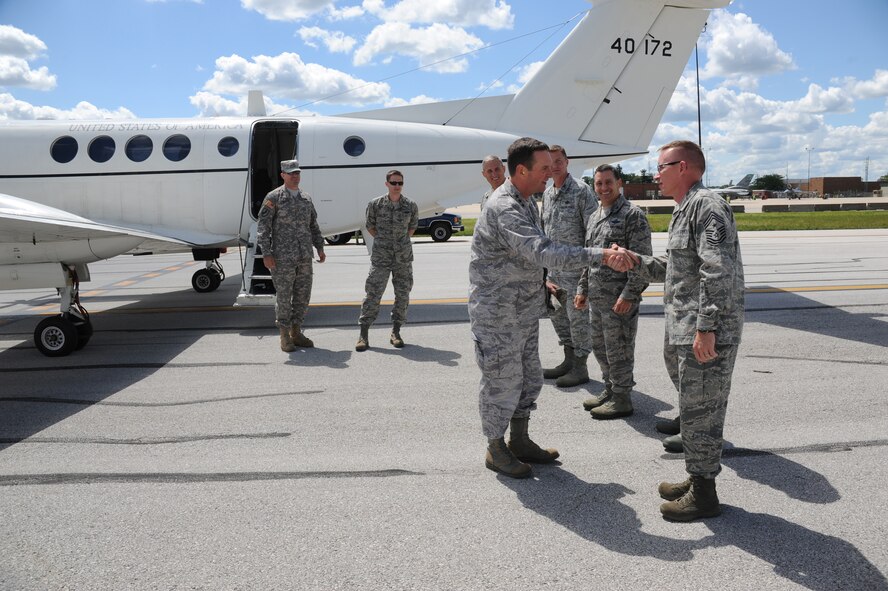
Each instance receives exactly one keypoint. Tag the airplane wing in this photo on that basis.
(31, 232)
(24, 222)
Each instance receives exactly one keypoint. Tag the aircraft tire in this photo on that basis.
(206, 280)
(339, 239)
(84, 334)
(56, 336)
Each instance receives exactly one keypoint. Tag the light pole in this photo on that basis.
(809, 150)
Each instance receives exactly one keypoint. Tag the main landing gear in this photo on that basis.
(71, 330)
(208, 279)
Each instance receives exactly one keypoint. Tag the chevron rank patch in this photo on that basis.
(715, 228)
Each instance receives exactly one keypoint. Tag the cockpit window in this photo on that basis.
(138, 148)
(354, 146)
(228, 146)
(101, 148)
(176, 147)
(64, 149)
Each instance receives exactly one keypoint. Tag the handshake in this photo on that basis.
(619, 259)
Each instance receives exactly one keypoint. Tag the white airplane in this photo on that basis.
(741, 189)
(75, 192)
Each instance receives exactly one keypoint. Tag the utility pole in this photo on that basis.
(809, 150)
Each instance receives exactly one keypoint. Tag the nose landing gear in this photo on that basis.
(208, 279)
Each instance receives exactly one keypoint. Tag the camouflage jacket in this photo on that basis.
(393, 222)
(624, 224)
(509, 251)
(702, 270)
(288, 226)
(567, 210)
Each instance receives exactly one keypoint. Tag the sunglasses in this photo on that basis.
(396, 183)
(660, 167)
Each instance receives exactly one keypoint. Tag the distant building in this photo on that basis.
(639, 191)
(838, 185)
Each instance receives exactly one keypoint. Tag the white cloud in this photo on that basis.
(14, 109)
(287, 10)
(417, 100)
(15, 71)
(346, 13)
(740, 51)
(213, 105)
(427, 45)
(286, 75)
(17, 48)
(525, 73)
(867, 89)
(493, 14)
(335, 41)
(16, 43)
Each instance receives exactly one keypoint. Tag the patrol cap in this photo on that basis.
(290, 166)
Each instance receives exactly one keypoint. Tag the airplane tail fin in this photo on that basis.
(611, 78)
(745, 181)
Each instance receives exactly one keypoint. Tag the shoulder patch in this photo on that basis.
(269, 204)
(715, 228)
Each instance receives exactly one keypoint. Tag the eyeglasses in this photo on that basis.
(660, 167)
(396, 183)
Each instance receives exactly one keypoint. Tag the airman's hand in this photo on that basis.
(704, 347)
(321, 256)
(551, 287)
(268, 261)
(619, 259)
(580, 302)
(622, 306)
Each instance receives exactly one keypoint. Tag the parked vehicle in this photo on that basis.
(440, 227)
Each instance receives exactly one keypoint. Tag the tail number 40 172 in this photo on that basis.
(650, 46)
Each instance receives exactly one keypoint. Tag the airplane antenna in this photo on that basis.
(440, 61)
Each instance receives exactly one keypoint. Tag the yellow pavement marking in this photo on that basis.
(124, 283)
(152, 275)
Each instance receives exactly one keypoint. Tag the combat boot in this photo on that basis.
(287, 345)
(673, 444)
(564, 367)
(618, 405)
(363, 340)
(669, 426)
(578, 374)
(525, 449)
(396, 339)
(597, 399)
(501, 459)
(700, 501)
(299, 339)
(672, 491)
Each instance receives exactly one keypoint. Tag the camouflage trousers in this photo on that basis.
(703, 390)
(292, 286)
(613, 343)
(508, 355)
(377, 279)
(571, 325)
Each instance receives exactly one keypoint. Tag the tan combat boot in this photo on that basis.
(564, 367)
(287, 345)
(299, 339)
(700, 501)
(672, 491)
(525, 449)
(501, 459)
(618, 405)
(363, 340)
(578, 374)
(597, 399)
(396, 339)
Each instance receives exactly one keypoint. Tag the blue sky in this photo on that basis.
(777, 76)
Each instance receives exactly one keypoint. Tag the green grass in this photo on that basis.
(795, 220)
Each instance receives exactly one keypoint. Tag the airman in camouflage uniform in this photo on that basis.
(506, 299)
(288, 228)
(613, 298)
(391, 220)
(493, 170)
(567, 206)
(704, 305)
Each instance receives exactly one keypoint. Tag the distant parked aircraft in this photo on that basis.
(741, 189)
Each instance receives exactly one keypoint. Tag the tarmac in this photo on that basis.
(181, 449)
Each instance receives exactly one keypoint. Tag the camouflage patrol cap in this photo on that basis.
(290, 166)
